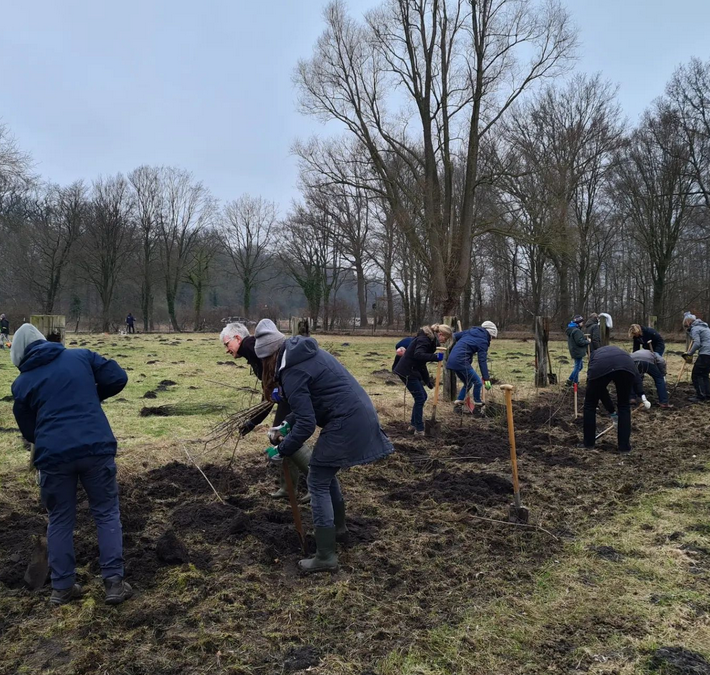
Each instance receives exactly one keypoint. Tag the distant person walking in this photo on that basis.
(4, 331)
(130, 323)
(57, 406)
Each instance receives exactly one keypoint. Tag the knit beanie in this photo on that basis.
(24, 336)
(578, 318)
(491, 328)
(268, 338)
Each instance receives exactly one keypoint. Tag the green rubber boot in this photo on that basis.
(282, 492)
(325, 559)
(341, 529)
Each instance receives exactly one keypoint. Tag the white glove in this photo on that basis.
(646, 402)
(274, 435)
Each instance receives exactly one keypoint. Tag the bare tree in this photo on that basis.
(186, 209)
(460, 64)
(146, 182)
(248, 228)
(198, 270)
(108, 244)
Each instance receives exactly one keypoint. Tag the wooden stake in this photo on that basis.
(576, 414)
(517, 512)
(294, 506)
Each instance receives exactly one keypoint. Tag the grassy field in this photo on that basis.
(612, 576)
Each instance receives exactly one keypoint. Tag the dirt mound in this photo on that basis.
(150, 394)
(171, 550)
(679, 661)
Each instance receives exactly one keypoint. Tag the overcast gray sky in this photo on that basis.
(95, 87)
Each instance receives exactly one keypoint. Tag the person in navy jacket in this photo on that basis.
(322, 393)
(57, 406)
(475, 340)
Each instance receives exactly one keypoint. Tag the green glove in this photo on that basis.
(273, 454)
(488, 385)
(688, 358)
(284, 428)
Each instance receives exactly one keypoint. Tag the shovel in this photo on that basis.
(294, 507)
(517, 513)
(38, 567)
(439, 350)
(682, 371)
(612, 426)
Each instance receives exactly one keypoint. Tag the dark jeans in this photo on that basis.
(655, 372)
(131, 329)
(701, 371)
(597, 391)
(578, 365)
(325, 491)
(416, 389)
(58, 493)
(470, 379)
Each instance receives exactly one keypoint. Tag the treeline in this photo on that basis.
(475, 175)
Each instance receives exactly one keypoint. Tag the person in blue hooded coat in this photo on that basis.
(475, 340)
(322, 393)
(57, 406)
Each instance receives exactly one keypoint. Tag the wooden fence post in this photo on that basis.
(603, 331)
(52, 326)
(542, 334)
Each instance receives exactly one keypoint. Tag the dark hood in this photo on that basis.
(40, 353)
(296, 350)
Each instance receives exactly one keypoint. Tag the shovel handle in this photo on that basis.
(508, 389)
(294, 506)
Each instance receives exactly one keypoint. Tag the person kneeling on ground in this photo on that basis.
(577, 345)
(322, 393)
(700, 335)
(412, 369)
(611, 364)
(645, 337)
(240, 344)
(57, 406)
(475, 340)
(655, 365)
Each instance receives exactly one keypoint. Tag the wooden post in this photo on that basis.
(542, 334)
(603, 331)
(50, 325)
(652, 320)
(450, 386)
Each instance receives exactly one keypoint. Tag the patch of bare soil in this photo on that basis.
(217, 587)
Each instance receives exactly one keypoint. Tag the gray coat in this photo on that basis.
(651, 358)
(700, 334)
(322, 393)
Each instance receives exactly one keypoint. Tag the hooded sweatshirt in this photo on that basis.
(576, 342)
(700, 334)
(58, 398)
(322, 393)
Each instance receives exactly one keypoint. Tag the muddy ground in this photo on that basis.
(217, 588)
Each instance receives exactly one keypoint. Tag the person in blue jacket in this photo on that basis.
(322, 393)
(57, 406)
(475, 340)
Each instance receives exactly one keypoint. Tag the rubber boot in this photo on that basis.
(341, 529)
(325, 559)
(282, 492)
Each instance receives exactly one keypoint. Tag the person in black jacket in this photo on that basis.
(412, 369)
(240, 344)
(643, 335)
(399, 350)
(592, 328)
(4, 330)
(606, 365)
(57, 406)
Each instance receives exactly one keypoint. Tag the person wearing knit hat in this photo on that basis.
(475, 340)
(268, 338)
(57, 406)
(577, 345)
(322, 393)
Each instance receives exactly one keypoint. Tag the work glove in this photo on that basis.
(646, 402)
(488, 385)
(246, 428)
(614, 418)
(688, 358)
(272, 454)
(400, 351)
(439, 356)
(276, 396)
(277, 434)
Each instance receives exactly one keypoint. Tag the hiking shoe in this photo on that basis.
(117, 590)
(458, 406)
(665, 406)
(569, 384)
(61, 596)
(410, 429)
(581, 446)
(696, 399)
(420, 434)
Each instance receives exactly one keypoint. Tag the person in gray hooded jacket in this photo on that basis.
(322, 393)
(700, 335)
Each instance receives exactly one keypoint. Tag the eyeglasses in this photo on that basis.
(229, 342)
